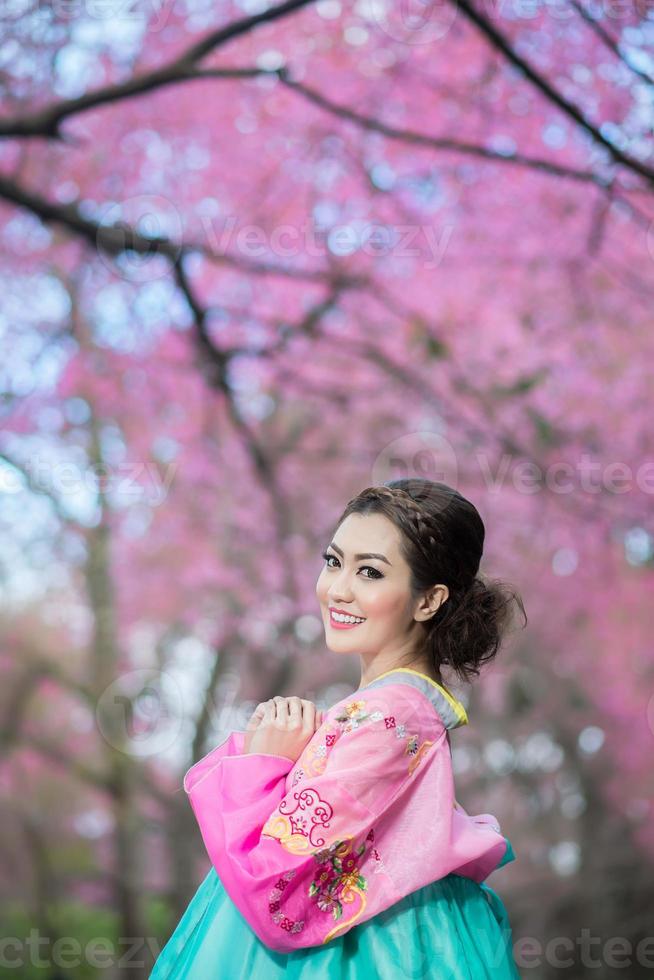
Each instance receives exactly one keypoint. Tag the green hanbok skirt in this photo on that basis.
(451, 929)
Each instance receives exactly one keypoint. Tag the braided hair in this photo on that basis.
(442, 540)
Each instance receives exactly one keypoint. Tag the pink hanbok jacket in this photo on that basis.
(366, 814)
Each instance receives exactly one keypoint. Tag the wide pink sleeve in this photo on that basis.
(290, 859)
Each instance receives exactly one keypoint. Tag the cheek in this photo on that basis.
(384, 603)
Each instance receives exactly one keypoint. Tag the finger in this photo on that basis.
(281, 710)
(308, 714)
(257, 715)
(295, 712)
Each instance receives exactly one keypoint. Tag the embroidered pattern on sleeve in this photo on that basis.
(297, 776)
(338, 881)
(354, 714)
(275, 907)
(418, 754)
(412, 747)
(313, 759)
(300, 829)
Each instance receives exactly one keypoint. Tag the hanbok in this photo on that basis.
(354, 861)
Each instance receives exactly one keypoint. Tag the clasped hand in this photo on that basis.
(282, 726)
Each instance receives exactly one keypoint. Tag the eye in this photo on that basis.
(327, 556)
(375, 572)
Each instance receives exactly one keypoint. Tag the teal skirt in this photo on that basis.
(452, 929)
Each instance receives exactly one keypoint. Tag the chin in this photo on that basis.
(342, 653)
(335, 643)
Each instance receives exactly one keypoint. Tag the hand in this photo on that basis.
(257, 715)
(253, 724)
(282, 726)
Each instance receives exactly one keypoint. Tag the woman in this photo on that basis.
(337, 846)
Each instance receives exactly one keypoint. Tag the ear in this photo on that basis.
(429, 604)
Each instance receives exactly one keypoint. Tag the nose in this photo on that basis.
(339, 595)
(340, 590)
(338, 600)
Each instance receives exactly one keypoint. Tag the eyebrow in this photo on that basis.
(358, 557)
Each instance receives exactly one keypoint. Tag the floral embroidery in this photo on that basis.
(297, 776)
(313, 758)
(337, 882)
(419, 754)
(354, 713)
(412, 740)
(298, 829)
(379, 861)
(274, 905)
(339, 878)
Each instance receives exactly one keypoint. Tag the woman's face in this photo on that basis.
(373, 589)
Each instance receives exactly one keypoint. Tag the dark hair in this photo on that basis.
(442, 542)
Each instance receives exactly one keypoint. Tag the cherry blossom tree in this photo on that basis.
(255, 260)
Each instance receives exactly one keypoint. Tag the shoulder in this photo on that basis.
(403, 693)
(373, 738)
(379, 738)
(394, 707)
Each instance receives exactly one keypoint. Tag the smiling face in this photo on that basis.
(376, 590)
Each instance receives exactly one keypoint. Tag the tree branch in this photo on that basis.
(214, 365)
(47, 122)
(434, 142)
(121, 237)
(610, 42)
(502, 44)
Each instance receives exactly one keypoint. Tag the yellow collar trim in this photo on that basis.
(458, 707)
